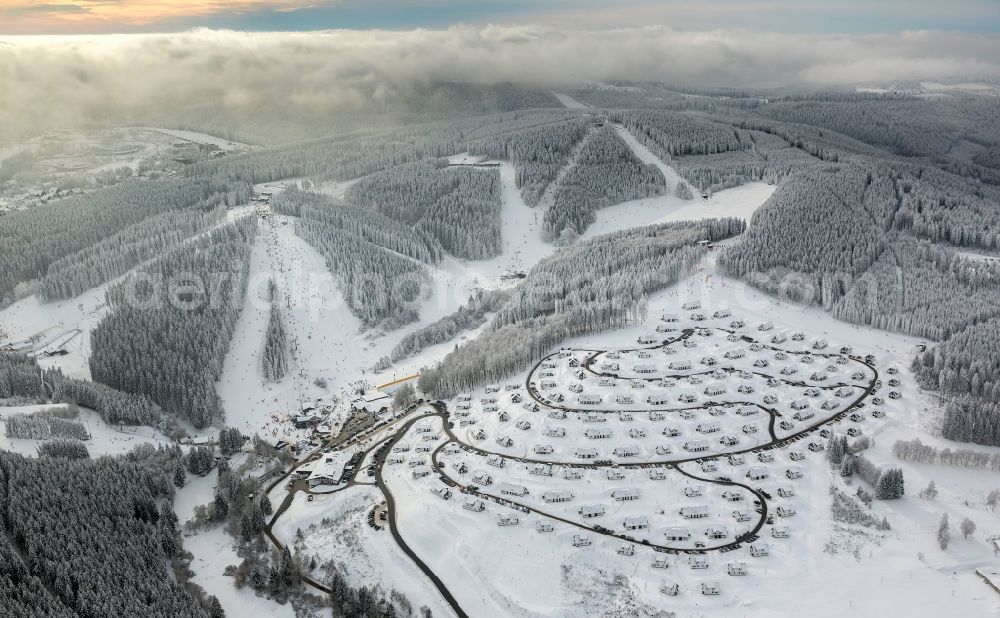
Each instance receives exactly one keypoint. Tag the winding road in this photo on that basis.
(403, 425)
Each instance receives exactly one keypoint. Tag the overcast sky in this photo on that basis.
(800, 16)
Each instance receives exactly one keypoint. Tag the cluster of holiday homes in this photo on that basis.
(491, 400)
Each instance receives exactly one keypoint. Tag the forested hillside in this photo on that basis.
(168, 340)
(538, 152)
(458, 206)
(33, 240)
(66, 521)
(592, 286)
(605, 172)
(73, 274)
(966, 369)
(379, 264)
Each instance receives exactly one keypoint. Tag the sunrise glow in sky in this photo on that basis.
(812, 16)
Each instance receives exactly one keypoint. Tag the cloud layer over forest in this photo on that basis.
(60, 81)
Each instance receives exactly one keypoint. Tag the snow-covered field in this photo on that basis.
(334, 528)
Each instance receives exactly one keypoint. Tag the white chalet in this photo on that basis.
(580, 540)
(759, 550)
(708, 427)
(513, 490)
(474, 505)
(803, 415)
(627, 450)
(540, 469)
(589, 511)
(677, 534)
(560, 495)
(624, 494)
(507, 519)
(694, 512)
(640, 522)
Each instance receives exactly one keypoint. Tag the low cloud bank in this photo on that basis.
(64, 81)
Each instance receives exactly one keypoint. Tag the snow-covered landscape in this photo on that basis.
(452, 315)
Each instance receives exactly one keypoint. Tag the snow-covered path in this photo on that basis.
(569, 101)
(739, 201)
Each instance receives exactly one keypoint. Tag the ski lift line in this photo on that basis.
(399, 381)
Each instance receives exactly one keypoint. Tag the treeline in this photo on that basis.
(366, 224)
(274, 359)
(670, 134)
(888, 483)
(917, 452)
(907, 126)
(457, 206)
(169, 342)
(592, 286)
(338, 158)
(471, 315)
(112, 257)
(65, 448)
(966, 364)
(605, 172)
(43, 427)
(65, 520)
(816, 227)
(846, 509)
(943, 207)
(380, 284)
(32, 240)
(20, 378)
(114, 406)
(538, 151)
(922, 290)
